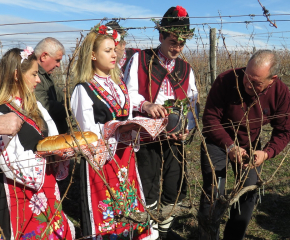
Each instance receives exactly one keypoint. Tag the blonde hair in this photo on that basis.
(9, 64)
(84, 68)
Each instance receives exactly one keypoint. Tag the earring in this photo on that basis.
(93, 58)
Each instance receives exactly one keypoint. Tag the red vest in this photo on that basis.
(158, 73)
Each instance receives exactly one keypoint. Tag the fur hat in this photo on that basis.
(175, 16)
(176, 21)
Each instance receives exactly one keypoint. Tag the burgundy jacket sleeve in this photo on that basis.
(280, 122)
(213, 114)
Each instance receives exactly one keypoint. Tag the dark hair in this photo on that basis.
(115, 26)
(165, 34)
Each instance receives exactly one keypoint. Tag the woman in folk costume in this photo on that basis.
(99, 97)
(29, 195)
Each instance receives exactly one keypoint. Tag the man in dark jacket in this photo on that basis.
(239, 103)
(49, 52)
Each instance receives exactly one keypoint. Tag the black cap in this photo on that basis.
(175, 17)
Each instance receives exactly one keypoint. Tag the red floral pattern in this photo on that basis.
(32, 212)
(115, 34)
(103, 29)
(109, 31)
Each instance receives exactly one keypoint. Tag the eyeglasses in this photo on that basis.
(177, 45)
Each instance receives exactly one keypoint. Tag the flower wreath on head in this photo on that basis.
(105, 30)
(182, 33)
(26, 53)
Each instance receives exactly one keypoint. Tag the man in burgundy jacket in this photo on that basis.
(259, 95)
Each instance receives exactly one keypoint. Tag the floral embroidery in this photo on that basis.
(56, 192)
(99, 237)
(123, 60)
(40, 228)
(56, 229)
(114, 92)
(103, 206)
(165, 62)
(122, 174)
(114, 236)
(168, 64)
(28, 235)
(60, 231)
(166, 88)
(126, 232)
(125, 193)
(140, 229)
(108, 214)
(38, 203)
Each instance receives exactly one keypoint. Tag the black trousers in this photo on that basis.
(85, 211)
(237, 224)
(149, 161)
(4, 210)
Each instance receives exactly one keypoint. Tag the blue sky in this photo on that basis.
(238, 35)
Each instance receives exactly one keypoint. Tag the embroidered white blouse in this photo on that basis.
(22, 164)
(82, 104)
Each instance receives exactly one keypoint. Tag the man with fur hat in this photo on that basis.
(152, 77)
(123, 54)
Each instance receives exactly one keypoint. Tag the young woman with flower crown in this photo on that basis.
(99, 97)
(29, 195)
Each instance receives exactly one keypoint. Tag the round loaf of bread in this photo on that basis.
(65, 141)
